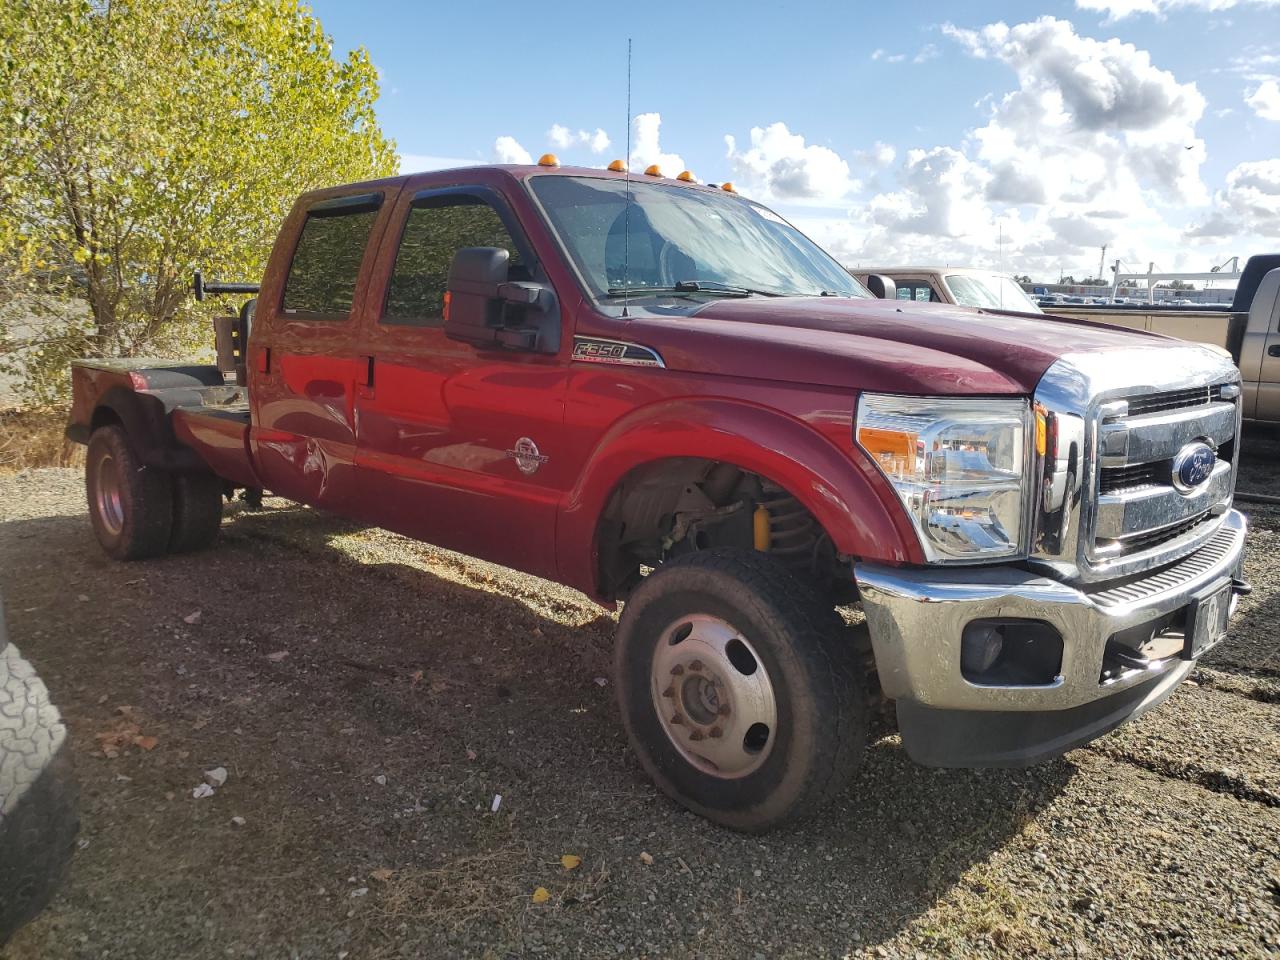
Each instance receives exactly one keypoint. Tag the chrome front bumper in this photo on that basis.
(916, 618)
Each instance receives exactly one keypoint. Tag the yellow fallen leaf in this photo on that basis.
(570, 861)
(382, 874)
(541, 895)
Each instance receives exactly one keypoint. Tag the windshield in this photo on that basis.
(684, 242)
(990, 290)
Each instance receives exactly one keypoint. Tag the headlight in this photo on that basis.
(959, 466)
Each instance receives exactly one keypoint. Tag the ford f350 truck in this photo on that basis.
(663, 394)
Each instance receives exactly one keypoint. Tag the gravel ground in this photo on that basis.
(369, 696)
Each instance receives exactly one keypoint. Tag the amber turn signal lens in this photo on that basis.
(446, 304)
(548, 160)
(618, 166)
(893, 450)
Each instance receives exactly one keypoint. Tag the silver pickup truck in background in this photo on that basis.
(1249, 329)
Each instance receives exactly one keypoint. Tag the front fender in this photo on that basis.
(843, 490)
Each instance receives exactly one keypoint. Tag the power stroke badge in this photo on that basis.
(527, 456)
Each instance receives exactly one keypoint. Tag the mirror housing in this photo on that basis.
(882, 287)
(487, 310)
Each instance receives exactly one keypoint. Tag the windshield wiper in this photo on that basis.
(726, 289)
(713, 287)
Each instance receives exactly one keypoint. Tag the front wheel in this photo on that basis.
(739, 694)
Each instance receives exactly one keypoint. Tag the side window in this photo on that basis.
(326, 263)
(432, 234)
(916, 290)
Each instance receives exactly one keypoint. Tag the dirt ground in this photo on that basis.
(370, 697)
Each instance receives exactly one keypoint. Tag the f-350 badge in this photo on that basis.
(527, 456)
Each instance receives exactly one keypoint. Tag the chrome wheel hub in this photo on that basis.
(107, 496)
(713, 696)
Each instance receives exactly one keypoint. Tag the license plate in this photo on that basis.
(1208, 622)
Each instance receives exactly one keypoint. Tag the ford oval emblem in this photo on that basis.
(1192, 466)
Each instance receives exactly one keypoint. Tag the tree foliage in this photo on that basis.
(145, 138)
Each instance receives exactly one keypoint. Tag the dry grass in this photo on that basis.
(487, 887)
(34, 438)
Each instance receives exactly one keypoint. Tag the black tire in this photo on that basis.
(197, 511)
(140, 523)
(817, 685)
(38, 794)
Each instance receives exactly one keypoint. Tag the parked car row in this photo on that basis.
(1247, 329)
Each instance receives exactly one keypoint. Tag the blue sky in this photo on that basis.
(890, 132)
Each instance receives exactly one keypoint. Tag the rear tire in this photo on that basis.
(38, 794)
(197, 511)
(130, 505)
(739, 692)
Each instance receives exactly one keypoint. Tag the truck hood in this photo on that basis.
(881, 345)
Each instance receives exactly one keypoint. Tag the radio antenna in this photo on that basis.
(626, 174)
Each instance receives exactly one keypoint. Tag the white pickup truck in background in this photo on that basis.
(1248, 329)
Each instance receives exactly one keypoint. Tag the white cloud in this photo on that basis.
(1119, 9)
(646, 148)
(1249, 204)
(1088, 117)
(879, 154)
(559, 136)
(598, 141)
(1090, 146)
(563, 138)
(1265, 100)
(927, 52)
(508, 150)
(780, 165)
(942, 195)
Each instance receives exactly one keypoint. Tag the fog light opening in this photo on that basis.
(979, 648)
(1010, 653)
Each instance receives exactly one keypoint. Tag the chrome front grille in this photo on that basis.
(1173, 400)
(1138, 506)
(1107, 506)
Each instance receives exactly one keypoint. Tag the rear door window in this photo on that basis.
(433, 232)
(326, 263)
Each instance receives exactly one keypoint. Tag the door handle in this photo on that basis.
(364, 376)
(1273, 350)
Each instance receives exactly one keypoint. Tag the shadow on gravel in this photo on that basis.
(307, 672)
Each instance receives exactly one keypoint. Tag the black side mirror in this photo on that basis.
(882, 287)
(486, 309)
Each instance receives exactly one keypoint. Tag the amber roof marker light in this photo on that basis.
(618, 166)
(728, 188)
(653, 170)
(687, 176)
(548, 160)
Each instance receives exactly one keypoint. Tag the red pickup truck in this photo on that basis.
(660, 392)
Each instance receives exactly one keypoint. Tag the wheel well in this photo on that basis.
(680, 505)
(104, 417)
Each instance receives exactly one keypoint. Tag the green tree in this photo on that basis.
(144, 138)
